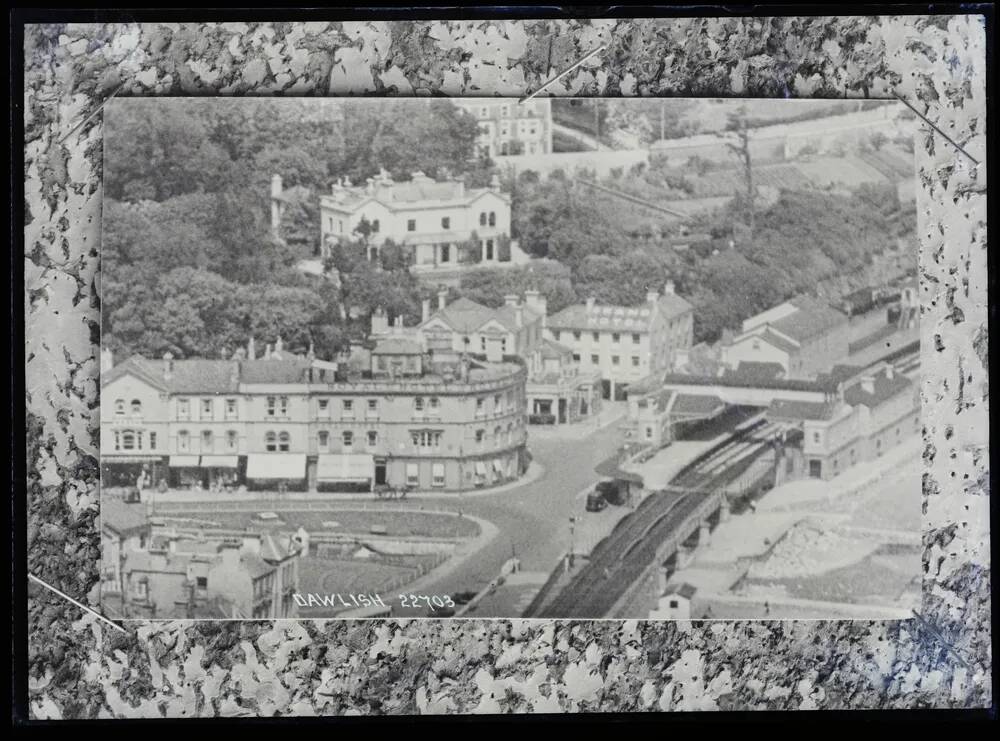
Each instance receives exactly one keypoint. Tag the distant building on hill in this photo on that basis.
(510, 128)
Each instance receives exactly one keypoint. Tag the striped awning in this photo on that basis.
(184, 461)
(345, 467)
(219, 461)
(276, 466)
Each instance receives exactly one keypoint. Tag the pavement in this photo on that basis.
(529, 518)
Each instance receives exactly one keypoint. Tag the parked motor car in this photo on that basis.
(596, 501)
(611, 492)
(462, 598)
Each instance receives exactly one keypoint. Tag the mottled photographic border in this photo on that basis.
(76, 664)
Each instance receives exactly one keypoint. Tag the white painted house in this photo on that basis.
(445, 224)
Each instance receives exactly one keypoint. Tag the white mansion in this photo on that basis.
(446, 224)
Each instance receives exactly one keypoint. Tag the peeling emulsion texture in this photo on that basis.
(81, 668)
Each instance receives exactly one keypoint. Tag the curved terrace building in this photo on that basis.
(392, 414)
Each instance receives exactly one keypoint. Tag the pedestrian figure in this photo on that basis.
(767, 609)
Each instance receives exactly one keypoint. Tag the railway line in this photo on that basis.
(621, 558)
(633, 545)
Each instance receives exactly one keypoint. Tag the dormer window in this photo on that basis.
(136, 406)
(120, 407)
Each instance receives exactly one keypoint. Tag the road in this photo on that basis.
(533, 519)
(585, 139)
(617, 561)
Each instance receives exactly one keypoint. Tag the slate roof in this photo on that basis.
(552, 350)
(289, 370)
(814, 318)
(784, 409)
(775, 339)
(397, 346)
(621, 318)
(685, 590)
(466, 316)
(274, 548)
(696, 404)
(123, 517)
(884, 388)
(752, 370)
(410, 193)
(196, 375)
(839, 373)
(255, 566)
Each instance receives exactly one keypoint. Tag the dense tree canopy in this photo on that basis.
(190, 264)
(189, 261)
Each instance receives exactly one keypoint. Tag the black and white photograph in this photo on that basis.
(481, 357)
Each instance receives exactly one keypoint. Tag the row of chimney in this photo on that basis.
(651, 296)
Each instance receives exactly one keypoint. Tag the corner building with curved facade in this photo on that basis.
(390, 413)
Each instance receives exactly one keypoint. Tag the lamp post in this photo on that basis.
(572, 541)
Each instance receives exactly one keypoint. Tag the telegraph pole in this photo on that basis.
(597, 124)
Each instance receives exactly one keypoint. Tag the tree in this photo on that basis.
(739, 144)
(489, 286)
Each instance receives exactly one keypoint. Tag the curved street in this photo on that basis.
(532, 519)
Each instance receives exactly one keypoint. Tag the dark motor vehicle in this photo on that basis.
(596, 501)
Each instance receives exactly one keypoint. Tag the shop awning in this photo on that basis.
(219, 461)
(345, 467)
(276, 466)
(131, 458)
(184, 461)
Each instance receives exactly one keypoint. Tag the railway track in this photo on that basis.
(622, 556)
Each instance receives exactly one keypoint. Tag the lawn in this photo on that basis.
(355, 521)
(324, 576)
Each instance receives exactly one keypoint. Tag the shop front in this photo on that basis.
(186, 472)
(276, 471)
(345, 472)
(125, 470)
(221, 471)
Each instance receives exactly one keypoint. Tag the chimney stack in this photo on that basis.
(380, 322)
(169, 370)
(890, 371)
(442, 298)
(652, 296)
(868, 384)
(370, 186)
(279, 345)
(519, 315)
(669, 288)
(251, 349)
(425, 310)
(591, 302)
(510, 299)
(107, 359)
